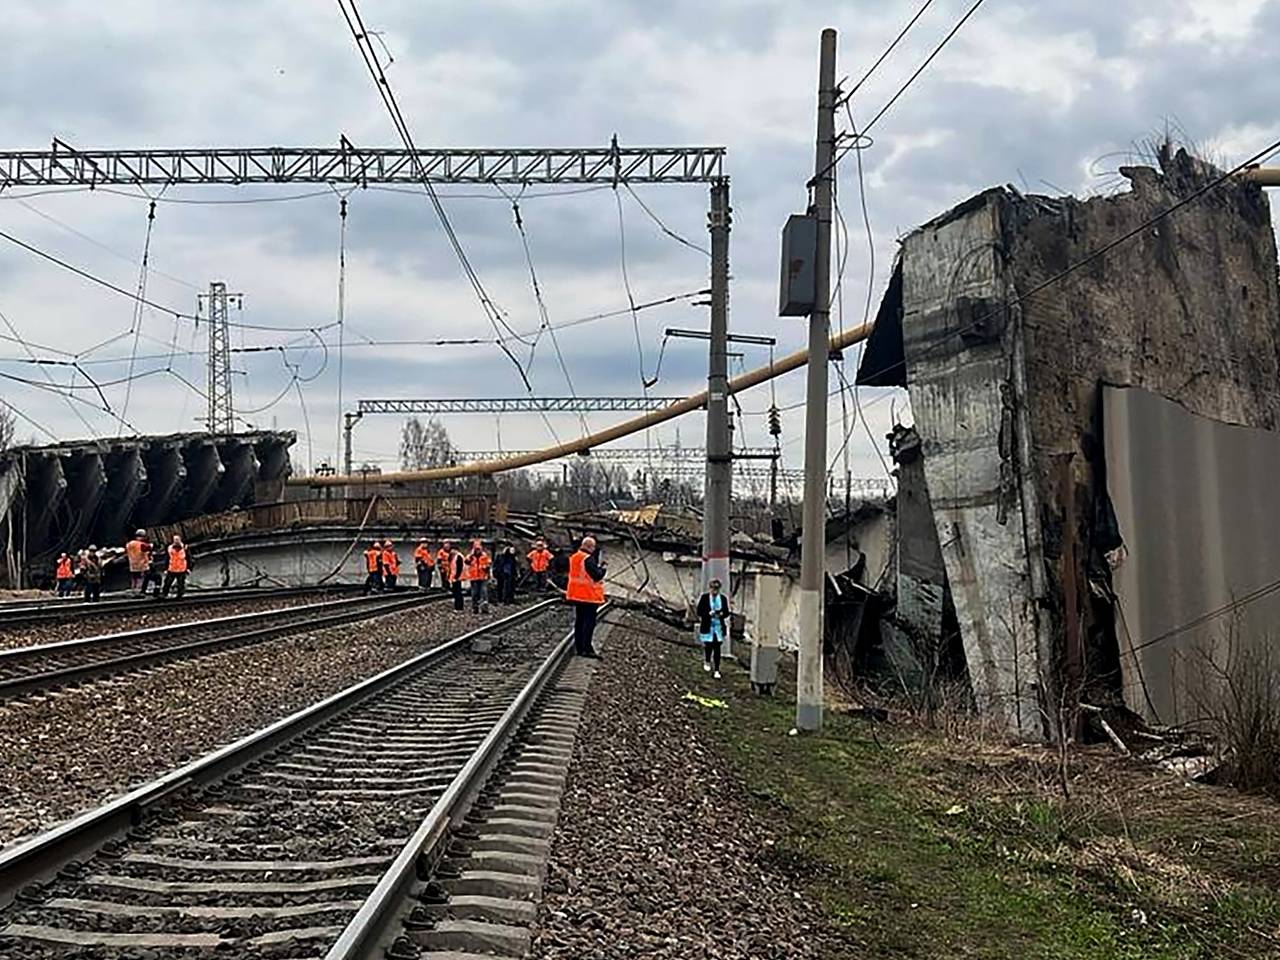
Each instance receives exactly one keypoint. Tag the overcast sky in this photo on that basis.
(1049, 96)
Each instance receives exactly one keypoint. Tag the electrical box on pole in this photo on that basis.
(797, 295)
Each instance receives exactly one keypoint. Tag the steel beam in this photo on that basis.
(66, 166)
(515, 405)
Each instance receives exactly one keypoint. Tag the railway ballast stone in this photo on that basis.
(658, 852)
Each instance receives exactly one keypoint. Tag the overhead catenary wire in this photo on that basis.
(48, 376)
(544, 315)
(662, 226)
(884, 55)
(137, 305)
(902, 89)
(146, 301)
(351, 13)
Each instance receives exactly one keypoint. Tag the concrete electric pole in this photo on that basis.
(719, 479)
(809, 689)
(221, 417)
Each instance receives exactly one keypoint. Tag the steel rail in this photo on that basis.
(376, 924)
(79, 838)
(17, 612)
(294, 619)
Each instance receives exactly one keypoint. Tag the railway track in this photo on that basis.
(301, 840)
(26, 670)
(17, 613)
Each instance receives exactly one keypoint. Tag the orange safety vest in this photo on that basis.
(139, 552)
(478, 566)
(539, 560)
(390, 563)
(372, 557)
(177, 559)
(64, 569)
(422, 556)
(442, 561)
(581, 587)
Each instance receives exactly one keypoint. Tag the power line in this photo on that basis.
(662, 226)
(902, 89)
(885, 54)
(543, 314)
(98, 243)
(137, 310)
(361, 35)
(171, 311)
(1260, 157)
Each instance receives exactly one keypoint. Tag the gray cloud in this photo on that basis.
(1026, 93)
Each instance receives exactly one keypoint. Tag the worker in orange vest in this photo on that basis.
(477, 575)
(138, 551)
(585, 591)
(373, 567)
(442, 562)
(179, 564)
(539, 564)
(423, 560)
(64, 576)
(457, 568)
(390, 565)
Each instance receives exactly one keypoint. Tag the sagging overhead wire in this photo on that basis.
(351, 13)
(48, 376)
(544, 316)
(662, 226)
(137, 305)
(145, 301)
(645, 381)
(92, 241)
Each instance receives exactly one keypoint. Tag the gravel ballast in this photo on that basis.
(164, 613)
(658, 852)
(77, 748)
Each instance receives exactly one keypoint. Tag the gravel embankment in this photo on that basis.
(658, 853)
(81, 746)
(165, 612)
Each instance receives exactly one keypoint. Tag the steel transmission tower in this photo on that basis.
(221, 414)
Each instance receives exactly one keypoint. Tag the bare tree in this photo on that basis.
(423, 446)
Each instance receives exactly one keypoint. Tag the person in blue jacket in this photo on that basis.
(713, 626)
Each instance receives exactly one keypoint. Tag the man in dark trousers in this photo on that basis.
(504, 571)
(457, 566)
(585, 591)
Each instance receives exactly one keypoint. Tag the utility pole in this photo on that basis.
(349, 421)
(221, 417)
(809, 690)
(719, 479)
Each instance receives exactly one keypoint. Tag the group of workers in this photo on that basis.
(469, 573)
(165, 569)
(461, 573)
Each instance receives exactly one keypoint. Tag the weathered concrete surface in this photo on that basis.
(1010, 327)
(964, 420)
(1188, 309)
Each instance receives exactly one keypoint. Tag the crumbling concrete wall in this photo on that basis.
(959, 369)
(1188, 309)
(1014, 312)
